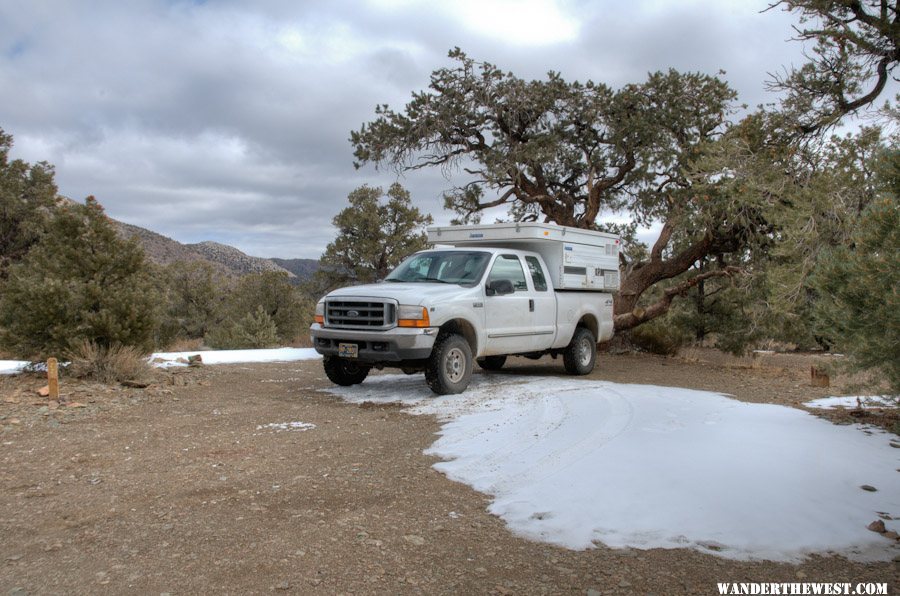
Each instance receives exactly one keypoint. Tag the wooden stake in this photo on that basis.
(53, 378)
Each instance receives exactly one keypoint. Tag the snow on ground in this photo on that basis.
(280, 426)
(575, 462)
(853, 401)
(11, 367)
(167, 359)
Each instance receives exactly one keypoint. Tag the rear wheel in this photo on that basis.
(344, 372)
(580, 355)
(449, 369)
(492, 362)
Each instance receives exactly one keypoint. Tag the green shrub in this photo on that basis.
(254, 330)
(289, 309)
(658, 337)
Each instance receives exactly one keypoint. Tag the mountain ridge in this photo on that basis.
(163, 250)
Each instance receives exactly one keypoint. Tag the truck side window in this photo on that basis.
(537, 274)
(509, 267)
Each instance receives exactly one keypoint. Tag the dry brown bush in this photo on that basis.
(108, 365)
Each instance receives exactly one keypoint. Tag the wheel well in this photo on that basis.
(590, 322)
(464, 328)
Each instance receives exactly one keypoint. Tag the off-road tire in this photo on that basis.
(491, 362)
(344, 372)
(449, 369)
(580, 355)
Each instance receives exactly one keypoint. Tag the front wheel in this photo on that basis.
(581, 353)
(449, 369)
(344, 372)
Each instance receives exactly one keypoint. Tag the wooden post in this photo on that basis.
(53, 378)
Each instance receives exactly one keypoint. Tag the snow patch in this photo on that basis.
(280, 426)
(576, 463)
(12, 367)
(170, 359)
(854, 401)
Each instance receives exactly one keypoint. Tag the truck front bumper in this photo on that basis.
(394, 345)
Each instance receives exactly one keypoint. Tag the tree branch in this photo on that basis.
(640, 315)
(664, 236)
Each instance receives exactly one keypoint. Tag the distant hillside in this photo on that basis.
(302, 268)
(233, 259)
(158, 248)
(162, 250)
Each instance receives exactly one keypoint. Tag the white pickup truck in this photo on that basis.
(497, 290)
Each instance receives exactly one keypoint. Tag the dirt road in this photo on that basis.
(181, 488)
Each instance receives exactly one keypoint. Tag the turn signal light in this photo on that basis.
(419, 319)
(320, 319)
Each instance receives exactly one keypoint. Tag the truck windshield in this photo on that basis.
(445, 266)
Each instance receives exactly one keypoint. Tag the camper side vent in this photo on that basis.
(611, 279)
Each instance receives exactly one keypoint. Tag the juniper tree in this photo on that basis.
(858, 284)
(566, 151)
(284, 304)
(27, 194)
(255, 329)
(375, 232)
(855, 49)
(195, 299)
(80, 283)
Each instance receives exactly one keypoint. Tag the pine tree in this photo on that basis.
(258, 329)
(858, 287)
(374, 236)
(290, 311)
(195, 298)
(254, 330)
(80, 282)
(27, 193)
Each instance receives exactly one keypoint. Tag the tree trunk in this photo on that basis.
(626, 312)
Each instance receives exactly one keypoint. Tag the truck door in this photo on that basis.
(543, 305)
(508, 318)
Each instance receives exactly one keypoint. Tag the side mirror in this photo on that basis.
(499, 287)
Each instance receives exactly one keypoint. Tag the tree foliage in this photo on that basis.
(375, 232)
(858, 284)
(80, 283)
(255, 329)
(253, 304)
(27, 194)
(195, 296)
(565, 152)
(857, 48)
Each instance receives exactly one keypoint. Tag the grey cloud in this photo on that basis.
(229, 122)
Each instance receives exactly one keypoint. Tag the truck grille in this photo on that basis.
(364, 313)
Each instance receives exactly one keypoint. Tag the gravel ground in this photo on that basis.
(176, 489)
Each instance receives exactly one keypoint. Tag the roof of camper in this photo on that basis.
(505, 232)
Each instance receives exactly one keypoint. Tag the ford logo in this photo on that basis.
(352, 313)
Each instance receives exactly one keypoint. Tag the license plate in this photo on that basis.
(348, 350)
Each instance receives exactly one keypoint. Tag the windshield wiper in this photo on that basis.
(443, 281)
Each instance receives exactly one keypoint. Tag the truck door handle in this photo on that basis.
(531, 304)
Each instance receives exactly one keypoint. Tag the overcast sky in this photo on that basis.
(229, 121)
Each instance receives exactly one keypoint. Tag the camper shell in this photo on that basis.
(577, 259)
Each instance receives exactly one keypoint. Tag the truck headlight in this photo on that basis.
(412, 316)
(320, 312)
